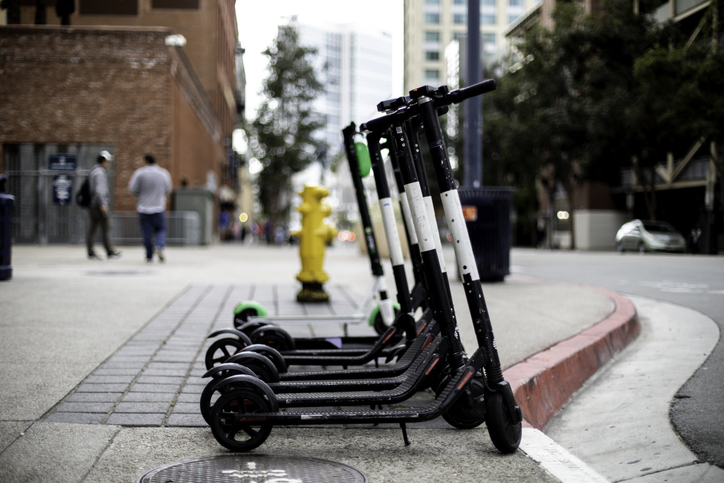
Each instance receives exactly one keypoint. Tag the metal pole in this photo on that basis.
(473, 125)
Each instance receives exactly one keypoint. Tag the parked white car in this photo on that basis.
(649, 236)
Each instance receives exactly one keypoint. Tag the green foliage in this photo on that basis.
(574, 106)
(683, 91)
(282, 136)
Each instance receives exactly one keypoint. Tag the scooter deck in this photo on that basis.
(372, 383)
(298, 416)
(413, 382)
(388, 370)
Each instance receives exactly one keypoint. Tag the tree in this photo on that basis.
(283, 134)
(681, 83)
(571, 103)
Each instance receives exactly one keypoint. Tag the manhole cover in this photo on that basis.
(254, 469)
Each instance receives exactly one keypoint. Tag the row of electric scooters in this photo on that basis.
(251, 388)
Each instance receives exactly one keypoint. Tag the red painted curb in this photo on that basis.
(544, 382)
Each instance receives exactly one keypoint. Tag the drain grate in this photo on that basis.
(254, 469)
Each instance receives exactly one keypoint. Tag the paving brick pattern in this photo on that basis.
(155, 379)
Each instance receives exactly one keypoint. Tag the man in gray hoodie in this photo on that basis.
(98, 210)
(151, 184)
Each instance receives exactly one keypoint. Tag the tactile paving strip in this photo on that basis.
(155, 378)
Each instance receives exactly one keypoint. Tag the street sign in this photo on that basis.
(62, 162)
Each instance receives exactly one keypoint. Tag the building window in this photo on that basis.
(489, 41)
(432, 36)
(179, 4)
(487, 19)
(512, 18)
(488, 3)
(460, 18)
(432, 76)
(104, 7)
(432, 55)
(460, 2)
(432, 18)
(515, 3)
(432, 2)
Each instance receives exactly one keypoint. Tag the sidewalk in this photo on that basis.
(100, 365)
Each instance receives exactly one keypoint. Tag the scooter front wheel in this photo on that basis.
(503, 432)
(378, 322)
(235, 435)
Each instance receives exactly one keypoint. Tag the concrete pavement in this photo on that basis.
(65, 319)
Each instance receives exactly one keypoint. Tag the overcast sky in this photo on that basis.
(258, 21)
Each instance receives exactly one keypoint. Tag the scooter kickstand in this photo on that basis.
(403, 426)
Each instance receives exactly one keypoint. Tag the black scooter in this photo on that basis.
(242, 418)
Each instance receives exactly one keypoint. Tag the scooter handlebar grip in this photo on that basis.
(376, 124)
(459, 95)
(384, 122)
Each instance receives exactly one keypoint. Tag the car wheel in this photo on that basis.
(619, 247)
(642, 248)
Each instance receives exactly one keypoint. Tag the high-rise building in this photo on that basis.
(431, 25)
(354, 63)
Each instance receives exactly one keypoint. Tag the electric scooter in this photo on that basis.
(242, 419)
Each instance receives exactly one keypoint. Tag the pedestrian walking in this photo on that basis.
(98, 210)
(151, 184)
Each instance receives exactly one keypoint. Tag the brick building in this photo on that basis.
(114, 80)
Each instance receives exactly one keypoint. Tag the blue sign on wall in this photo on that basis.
(62, 162)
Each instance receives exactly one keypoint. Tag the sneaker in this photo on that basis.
(161, 256)
(114, 254)
(93, 256)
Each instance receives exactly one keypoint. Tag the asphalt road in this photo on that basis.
(694, 281)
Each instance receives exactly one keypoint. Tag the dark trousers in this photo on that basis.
(153, 225)
(97, 219)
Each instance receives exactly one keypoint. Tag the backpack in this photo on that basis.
(83, 196)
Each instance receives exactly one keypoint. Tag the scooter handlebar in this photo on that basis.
(459, 95)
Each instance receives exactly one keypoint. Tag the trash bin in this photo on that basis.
(6, 227)
(487, 215)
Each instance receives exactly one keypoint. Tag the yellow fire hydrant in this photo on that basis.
(313, 238)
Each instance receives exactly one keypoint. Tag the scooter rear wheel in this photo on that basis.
(234, 435)
(215, 389)
(273, 336)
(249, 327)
(468, 411)
(221, 350)
(503, 432)
(270, 353)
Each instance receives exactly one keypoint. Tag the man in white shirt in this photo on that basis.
(151, 184)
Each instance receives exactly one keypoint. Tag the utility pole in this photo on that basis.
(473, 125)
